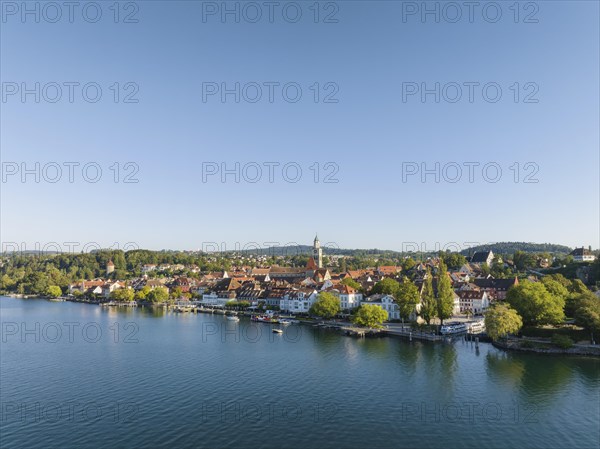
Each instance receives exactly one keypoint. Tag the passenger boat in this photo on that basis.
(264, 319)
(476, 327)
(453, 328)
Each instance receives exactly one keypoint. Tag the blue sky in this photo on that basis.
(370, 133)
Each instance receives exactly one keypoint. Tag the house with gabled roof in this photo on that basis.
(583, 255)
(349, 297)
(298, 300)
(496, 288)
(475, 301)
(386, 302)
(481, 257)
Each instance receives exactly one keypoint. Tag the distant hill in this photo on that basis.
(512, 247)
(498, 248)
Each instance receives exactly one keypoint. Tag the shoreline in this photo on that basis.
(514, 345)
(348, 329)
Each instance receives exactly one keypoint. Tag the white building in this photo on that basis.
(582, 255)
(475, 301)
(212, 299)
(387, 303)
(348, 296)
(298, 301)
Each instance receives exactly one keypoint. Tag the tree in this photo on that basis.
(54, 291)
(407, 298)
(159, 294)
(122, 295)
(142, 295)
(555, 288)
(407, 264)
(370, 315)
(428, 305)
(523, 260)
(485, 269)
(535, 304)
(445, 295)
(351, 283)
(386, 286)
(501, 320)
(576, 286)
(588, 316)
(585, 307)
(326, 305)
(343, 265)
(6, 282)
(453, 260)
(176, 293)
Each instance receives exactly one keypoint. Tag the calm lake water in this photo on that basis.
(76, 375)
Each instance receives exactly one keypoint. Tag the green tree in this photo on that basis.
(535, 304)
(585, 308)
(326, 305)
(523, 260)
(588, 316)
(142, 295)
(485, 269)
(453, 260)
(122, 295)
(576, 286)
(176, 293)
(501, 320)
(407, 298)
(407, 264)
(159, 294)
(370, 315)
(54, 291)
(351, 283)
(343, 265)
(6, 282)
(555, 288)
(428, 305)
(445, 295)
(386, 286)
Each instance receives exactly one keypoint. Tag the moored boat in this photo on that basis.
(453, 328)
(476, 327)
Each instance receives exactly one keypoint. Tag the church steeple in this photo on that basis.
(317, 253)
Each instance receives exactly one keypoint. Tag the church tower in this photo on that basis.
(110, 267)
(317, 253)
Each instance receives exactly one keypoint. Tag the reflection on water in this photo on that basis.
(504, 369)
(183, 362)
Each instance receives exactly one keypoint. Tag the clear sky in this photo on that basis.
(373, 57)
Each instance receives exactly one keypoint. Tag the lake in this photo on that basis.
(84, 376)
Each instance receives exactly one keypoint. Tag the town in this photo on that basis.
(420, 293)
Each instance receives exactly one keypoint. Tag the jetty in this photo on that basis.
(361, 332)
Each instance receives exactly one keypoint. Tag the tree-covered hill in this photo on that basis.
(512, 247)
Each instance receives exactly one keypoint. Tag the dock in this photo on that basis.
(413, 335)
(361, 332)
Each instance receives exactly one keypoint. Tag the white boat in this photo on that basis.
(477, 327)
(285, 322)
(453, 328)
(278, 331)
(232, 318)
